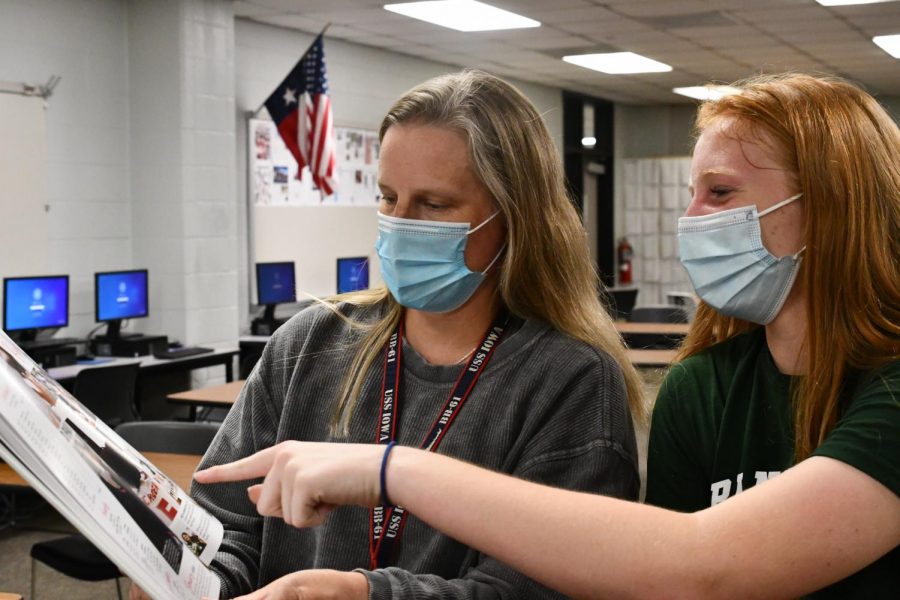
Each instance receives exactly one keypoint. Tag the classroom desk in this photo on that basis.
(672, 329)
(216, 396)
(652, 335)
(149, 364)
(639, 357)
(6, 596)
(651, 358)
(180, 467)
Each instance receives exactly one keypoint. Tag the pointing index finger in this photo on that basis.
(250, 467)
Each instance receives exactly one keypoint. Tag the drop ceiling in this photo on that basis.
(703, 40)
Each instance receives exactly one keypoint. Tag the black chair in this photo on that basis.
(109, 392)
(656, 314)
(621, 302)
(169, 436)
(75, 555)
(663, 313)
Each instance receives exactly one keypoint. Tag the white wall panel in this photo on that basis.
(652, 224)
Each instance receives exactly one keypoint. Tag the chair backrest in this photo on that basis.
(169, 436)
(108, 392)
(659, 314)
(621, 302)
(685, 299)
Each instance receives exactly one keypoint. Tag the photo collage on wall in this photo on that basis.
(273, 170)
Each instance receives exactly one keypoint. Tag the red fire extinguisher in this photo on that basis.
(625, 253)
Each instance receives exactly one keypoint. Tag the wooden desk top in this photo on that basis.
(5, 596)
(180, 467)
(216, 395)
(660, 328)
(651, 358)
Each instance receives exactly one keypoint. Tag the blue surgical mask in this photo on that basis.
(423, 262)
(730, 268)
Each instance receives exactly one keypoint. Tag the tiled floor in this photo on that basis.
(15, 560)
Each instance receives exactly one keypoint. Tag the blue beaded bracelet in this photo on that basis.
(384, 459)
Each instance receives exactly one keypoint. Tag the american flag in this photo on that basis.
(301, 109)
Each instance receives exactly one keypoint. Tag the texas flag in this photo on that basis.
(301, 110)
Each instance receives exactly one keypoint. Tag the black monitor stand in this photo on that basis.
(23, 336)
(114, 331)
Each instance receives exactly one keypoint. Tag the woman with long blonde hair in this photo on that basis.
(790, 378)
(488, 343)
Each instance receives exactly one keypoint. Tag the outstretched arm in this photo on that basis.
(796, 533)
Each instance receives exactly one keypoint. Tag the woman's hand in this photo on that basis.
(304, 481)
(314, 584)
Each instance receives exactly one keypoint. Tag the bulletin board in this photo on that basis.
(273, 177)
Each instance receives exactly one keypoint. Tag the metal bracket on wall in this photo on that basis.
(27, 89)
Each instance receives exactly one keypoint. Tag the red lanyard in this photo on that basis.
(387, 522)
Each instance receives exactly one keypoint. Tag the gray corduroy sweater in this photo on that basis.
(547, 408)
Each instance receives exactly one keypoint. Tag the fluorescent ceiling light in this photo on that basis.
(849, 2)
(463, 15)
(588, 141)
(618, 63)
(706, 92)
(889, 43)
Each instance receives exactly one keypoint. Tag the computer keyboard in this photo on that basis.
(181, 352)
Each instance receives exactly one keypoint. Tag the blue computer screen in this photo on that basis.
(35, 302)
(275, 282)
(121, 295)
(352, 274)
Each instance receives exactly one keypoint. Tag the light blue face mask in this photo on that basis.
(730, 268)
(423, 262)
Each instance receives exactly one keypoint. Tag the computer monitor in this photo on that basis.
(34, 303)
(352, 274)
(120, 295)
(275, 284)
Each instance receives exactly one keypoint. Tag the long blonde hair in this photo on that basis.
(842, 149)
(547, 272)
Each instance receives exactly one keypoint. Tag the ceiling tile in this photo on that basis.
(556, 16)
(522, 5)
(877, 23)
(884, 10)
(657, 8)
(742, 4)
(809, 12)
(360, 15)
(293, 6)
(437, 37)
(757, 35)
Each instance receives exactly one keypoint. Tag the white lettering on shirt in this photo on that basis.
(721, 490)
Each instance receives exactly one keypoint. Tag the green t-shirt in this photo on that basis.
(722, 424)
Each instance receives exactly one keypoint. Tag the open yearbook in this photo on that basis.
(136, 515)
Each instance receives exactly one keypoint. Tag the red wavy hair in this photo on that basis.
(844, 151)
